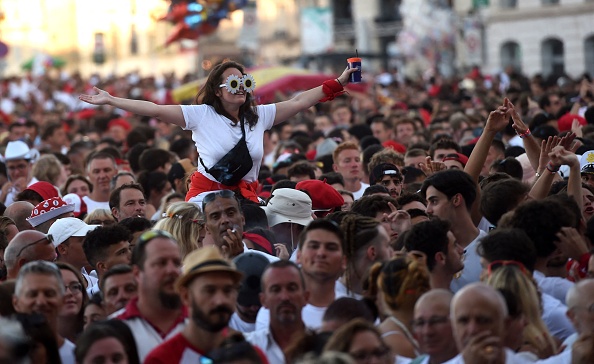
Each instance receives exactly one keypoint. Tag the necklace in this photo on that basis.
(406, 333)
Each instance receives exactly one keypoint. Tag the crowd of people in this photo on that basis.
(428, 221)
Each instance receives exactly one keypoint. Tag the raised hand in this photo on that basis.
(518, 125)
(546, 148)
(430, 167)
(102, 97)
(560, 156)
(346, 75)
(499, 118)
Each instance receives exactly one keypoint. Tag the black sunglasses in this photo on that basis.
(211, 196)
(47, 237)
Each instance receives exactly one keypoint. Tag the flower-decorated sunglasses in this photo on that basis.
(233, 83)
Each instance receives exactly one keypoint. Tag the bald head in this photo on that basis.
(27, 246)
(477, 308)
(580, 299)
(432, 325)
(19, 212)
(441, 297)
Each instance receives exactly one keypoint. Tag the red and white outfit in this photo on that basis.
(215, 135)
(175, 350)
(147, 335)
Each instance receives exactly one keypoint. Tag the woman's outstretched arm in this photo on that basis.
(306, 99)
(167, 113)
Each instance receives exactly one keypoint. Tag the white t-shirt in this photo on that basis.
(93, 205)
(472, 265)
(215, 135)
(67, 352)
(236, 323)
(358, 194)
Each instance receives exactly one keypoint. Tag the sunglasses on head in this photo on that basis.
(211, 196)
(493, 266)
(47, 237)
(152, 234)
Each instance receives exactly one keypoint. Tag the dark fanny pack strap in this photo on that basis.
(242, 138)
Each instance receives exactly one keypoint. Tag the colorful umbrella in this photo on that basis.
(270, 80)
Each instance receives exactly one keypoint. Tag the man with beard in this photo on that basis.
(284, 294)
(208, 287)
(387, 175)
(437, 242)
(156, 314)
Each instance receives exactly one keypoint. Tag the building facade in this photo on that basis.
(550, 37)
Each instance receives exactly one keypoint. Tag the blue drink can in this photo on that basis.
(355, 62)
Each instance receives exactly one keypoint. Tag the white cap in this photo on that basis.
(64, 228)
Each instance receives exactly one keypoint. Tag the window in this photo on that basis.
(589, 54)
(511, 56)
(552, 55)
(506, 4)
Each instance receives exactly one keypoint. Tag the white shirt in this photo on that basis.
(554, 316)
(358, 194)
(510, 358)
(236, 323)
(554, 286)
(93, 205)
(340, 290)
(67, 352)
(203, 121)
(472, 265)
(11, 194)
(264, 340)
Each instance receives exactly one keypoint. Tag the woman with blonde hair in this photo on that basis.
(48, 168)
(101, 217)
(396, 286)
(185, 221)
(513, 277)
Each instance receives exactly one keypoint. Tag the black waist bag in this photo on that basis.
(234, 165)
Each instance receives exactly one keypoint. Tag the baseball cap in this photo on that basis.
(62, 229)
(384, 169)
(252, 265)
(323, 196)
(565, 121)
(288, 205)
(205, 260)
(459, 157)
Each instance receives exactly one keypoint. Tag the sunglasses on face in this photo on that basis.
(233, 82)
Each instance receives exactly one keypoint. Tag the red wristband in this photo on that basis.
(331, 89)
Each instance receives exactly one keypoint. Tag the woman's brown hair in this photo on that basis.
(208, 94)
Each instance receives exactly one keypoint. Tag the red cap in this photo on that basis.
(323, 196)
(260, 241)
(310, 155)
(119, 122)
(456, 157)
(45, 189)
(394, 145)
(565, 121)
(86, 114)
